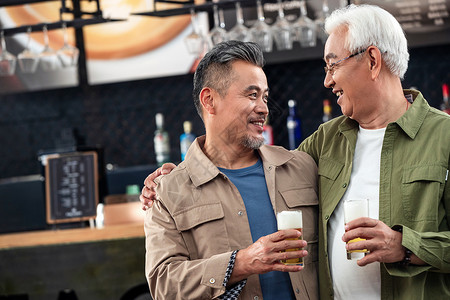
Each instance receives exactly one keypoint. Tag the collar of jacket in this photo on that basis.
(410, 122)
(202, 170)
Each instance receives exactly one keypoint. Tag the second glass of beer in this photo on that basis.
(291, 220)
(354, 209)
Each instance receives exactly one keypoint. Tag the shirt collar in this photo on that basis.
(410, 122)
(413, 118)
(198, 165)
(272, 156)
(202, 170)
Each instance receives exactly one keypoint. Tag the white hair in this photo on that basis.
(370, 25)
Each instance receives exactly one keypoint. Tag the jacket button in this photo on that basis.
(212, 280)
(327, 217)
(240, 213)
(344, 185)
(255, 298)
(297, 290)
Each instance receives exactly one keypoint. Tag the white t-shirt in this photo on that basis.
(351, 281)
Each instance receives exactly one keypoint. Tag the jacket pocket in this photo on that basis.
(194, 216)
(300, 197)
(422, 188)
(329, 171)
(199, 226)
(306, 200)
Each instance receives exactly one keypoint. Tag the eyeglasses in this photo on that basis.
(330, 67)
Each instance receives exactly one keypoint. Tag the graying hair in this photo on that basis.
(215, 70)
(370, 25)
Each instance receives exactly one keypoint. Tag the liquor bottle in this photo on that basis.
(267, 133)
(445, 106)
(326, 111)
(186, 138)
(161, 141)
(293, 126)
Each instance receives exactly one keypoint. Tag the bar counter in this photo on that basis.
(67, 236)
(96, 263)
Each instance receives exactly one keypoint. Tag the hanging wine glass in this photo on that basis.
(239, 32)
(68, 55)
(218, 34)
(222, 20)
(7, 60)
(343, 3)
(195, 42)
(260, 32)
(48, 57)
(282, 30)
(304, 28)
(28, 60)
(320, 22)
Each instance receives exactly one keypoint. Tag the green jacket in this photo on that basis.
(414, 193)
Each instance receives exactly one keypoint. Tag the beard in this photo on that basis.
(251, 142)
(235, 134)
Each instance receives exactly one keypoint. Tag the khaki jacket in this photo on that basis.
(200, 219)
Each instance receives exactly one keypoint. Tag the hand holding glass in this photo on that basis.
(291, 220)
(354, 209)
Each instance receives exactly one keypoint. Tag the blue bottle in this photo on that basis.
(294, 126)
(186, 139)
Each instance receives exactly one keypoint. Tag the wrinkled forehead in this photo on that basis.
(336, 44)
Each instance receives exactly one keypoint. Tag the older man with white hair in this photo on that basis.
(391, 148)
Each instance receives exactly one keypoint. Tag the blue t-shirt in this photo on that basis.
(252, 186)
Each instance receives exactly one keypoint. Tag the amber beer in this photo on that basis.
(354, 209)
(291, 220)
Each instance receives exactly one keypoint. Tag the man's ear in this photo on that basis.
(207, 98)
(375, 61)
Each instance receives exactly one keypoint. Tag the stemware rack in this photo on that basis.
(77, 22)
(97, 18)
(205, 7)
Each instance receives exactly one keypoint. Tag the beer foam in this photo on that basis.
(289, 219)
(354, 209)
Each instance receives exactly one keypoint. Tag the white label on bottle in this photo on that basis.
(161, 144)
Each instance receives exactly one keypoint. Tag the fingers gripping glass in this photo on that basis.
(330, 67)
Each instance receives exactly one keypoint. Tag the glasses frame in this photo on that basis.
(330, 67)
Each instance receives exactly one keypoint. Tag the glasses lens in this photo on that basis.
(329, 69)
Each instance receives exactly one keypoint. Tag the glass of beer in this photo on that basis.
(291, 220)
(354, 209)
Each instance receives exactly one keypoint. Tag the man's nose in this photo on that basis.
(262, 107)
(328, 81)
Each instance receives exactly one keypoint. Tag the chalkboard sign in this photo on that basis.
(71, 186)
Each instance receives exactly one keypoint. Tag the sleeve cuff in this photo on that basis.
(234, 291)
(411, 242)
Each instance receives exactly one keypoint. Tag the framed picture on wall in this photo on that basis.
(137, 47)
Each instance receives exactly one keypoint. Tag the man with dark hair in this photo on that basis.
(212, 233)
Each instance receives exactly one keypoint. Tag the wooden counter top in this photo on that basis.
(67, 236)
